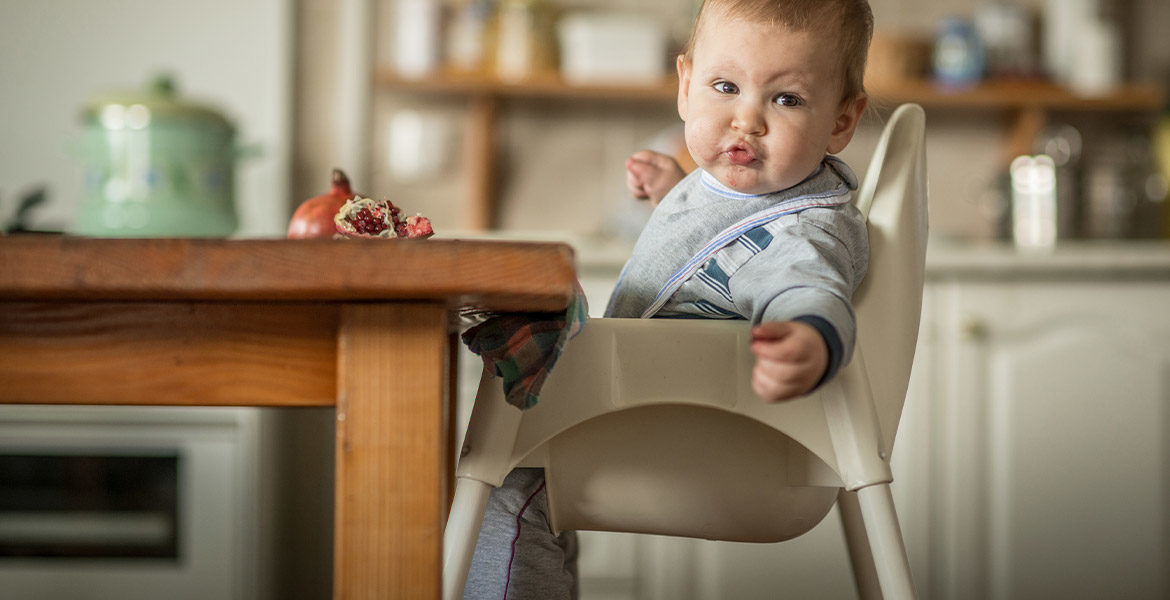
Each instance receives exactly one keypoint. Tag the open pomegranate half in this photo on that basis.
(368, 218)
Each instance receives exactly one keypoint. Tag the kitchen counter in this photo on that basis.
(946, 258)
(1087, 259)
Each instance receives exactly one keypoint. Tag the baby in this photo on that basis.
(763, 230)
(767, 90)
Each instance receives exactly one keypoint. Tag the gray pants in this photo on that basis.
(517, 556)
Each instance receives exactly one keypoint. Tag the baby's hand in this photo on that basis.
(791, 357)
(650, 175)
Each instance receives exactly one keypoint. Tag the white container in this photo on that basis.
(1063, 23)
(418, 38)
(1098, 60)
(603, 48)
(419, 145)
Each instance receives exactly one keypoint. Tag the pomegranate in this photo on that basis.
(314, 217)
(367, 218)
(417, 226)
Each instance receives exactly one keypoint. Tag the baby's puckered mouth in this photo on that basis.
(740, 155)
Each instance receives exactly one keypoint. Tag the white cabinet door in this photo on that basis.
(1053, 441)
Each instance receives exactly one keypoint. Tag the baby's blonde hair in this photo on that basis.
(850, 22)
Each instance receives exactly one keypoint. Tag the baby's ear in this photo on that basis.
(848, 117)
(684, 84)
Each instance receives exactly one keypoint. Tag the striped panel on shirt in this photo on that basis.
(708, 292)
(715, 279)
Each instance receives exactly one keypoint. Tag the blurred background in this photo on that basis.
(1033, 457)
(518, 114)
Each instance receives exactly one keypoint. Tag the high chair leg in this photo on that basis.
(462, 533)
(885, 541)
(864, 572)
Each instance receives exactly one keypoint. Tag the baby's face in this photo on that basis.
(762, 103)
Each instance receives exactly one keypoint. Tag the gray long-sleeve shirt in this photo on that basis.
(797, 253)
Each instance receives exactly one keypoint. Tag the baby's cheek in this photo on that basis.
(700, 144)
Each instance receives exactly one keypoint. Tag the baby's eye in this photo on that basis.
(789, 100)
(725, 87)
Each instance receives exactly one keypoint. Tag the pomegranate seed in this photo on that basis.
(368, 221)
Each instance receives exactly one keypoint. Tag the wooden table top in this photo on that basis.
(493, 275)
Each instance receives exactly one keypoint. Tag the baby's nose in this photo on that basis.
(748, 120)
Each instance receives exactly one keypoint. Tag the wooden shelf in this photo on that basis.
(546, 86)
(994, 95)
(1026, 103)
(1020, 95)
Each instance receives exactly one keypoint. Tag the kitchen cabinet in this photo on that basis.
(1030, 460)
(1026, 105)
(1051, 434)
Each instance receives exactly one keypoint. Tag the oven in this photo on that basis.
(129, 503)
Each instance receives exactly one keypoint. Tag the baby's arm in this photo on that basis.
(791, 358)
(650, 175)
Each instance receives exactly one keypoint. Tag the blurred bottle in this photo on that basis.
(1124, 190)
(1006, 30)
(524, 43)
(1162, 158)
(471, 37)
(1062, 143)
(958, 55)
(1033, 180)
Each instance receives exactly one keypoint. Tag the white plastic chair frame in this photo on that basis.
(651, 426)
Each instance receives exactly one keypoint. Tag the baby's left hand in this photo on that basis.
(791, 357)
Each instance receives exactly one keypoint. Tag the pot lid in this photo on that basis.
(158, 102)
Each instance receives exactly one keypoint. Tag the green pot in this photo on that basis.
(156, 166)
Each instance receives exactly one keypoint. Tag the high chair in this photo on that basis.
(651, 425)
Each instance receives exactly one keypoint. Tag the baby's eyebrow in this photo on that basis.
(792, 79)
(730, 71)
(723, 67)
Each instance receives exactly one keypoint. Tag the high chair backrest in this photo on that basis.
(888, 304)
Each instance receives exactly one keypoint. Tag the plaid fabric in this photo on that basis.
(522, 348)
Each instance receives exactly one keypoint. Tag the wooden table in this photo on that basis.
(363, 325)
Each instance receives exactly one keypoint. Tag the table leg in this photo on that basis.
(392, 446)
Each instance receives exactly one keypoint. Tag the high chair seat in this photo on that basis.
(624, 375)
(651, 426)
